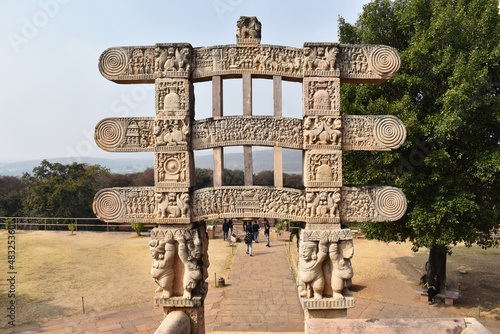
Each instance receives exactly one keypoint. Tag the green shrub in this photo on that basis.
(138, 227)
(9, 223)
(72, 227)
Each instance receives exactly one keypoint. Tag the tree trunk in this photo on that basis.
(437, 265)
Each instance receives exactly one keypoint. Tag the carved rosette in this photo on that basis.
(321, 96)
(143, 205)
(323, 168)
(109, 205)
(372, 133)
(247, 130)
(172, 169)
(173, 97)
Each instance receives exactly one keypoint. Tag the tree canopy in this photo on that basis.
(447, 93)
(57, 190)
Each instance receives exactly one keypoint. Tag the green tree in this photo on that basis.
(448, 95)
(57, 190)
(11, 196)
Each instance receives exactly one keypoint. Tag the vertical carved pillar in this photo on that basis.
(278, 151)
(217, 111)
(179, 251)
(325, 248)
(247, 111)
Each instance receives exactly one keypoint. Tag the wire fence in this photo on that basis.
(63, 224)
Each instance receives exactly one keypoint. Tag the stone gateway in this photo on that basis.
(179, 242)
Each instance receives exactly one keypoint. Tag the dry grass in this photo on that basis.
(56, 269)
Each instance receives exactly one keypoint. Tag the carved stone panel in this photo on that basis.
(180, 265)
(321, 96)
(247, 130)
(323, 168)
(264, 60)
(248, 202)
(372, 203)
(173, 97)
(320, 59)
(372, 133)
(364, 63)
(323, 205)
(143, 205)
(322, 132)
(145, 63)
(174, 169)
(324, 265)
(143, 134)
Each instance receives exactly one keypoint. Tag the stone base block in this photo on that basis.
(325, 314)
(393, 326)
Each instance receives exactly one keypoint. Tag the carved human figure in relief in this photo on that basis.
(190, 253)
(310, 265)
(163, 253)
(340, 255)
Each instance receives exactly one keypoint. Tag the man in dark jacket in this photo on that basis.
(225, 228)
(255, 228)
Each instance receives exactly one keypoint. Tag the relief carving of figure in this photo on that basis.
(190, 253)
(310, 265)
(162, 271)
(340, 255)
(172, 205)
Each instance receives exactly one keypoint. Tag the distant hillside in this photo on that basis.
(263, 160)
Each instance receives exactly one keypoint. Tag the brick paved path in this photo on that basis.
(261, 295)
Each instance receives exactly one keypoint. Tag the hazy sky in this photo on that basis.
(52, 94)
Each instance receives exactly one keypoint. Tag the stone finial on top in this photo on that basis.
(248, 31)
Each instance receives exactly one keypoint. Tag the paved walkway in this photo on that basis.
(260, 297)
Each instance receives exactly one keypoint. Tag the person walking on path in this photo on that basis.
(225, 228)
(230, 224)
(267, 227)
(256, 231)
(249, 238)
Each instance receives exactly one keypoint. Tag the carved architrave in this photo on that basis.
(180, 265)
(263, 60)
(322, 132)
(173, 97)
(321, 96)
(143, 134)
(351, 63)
(372, 133)
(323, 168)
(248, 202)
(145, 63)
(143, 205)
(247, 130)
(174, 169)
